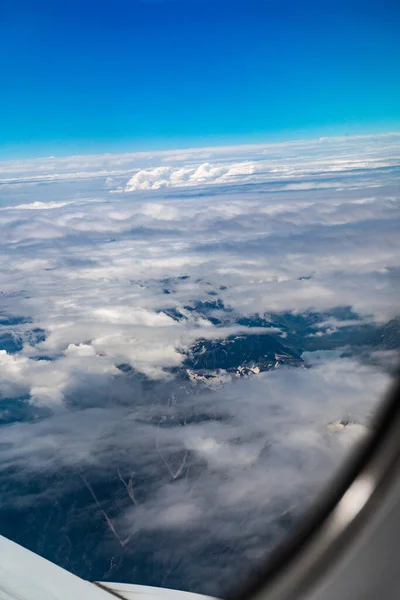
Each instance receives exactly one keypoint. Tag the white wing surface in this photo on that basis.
(27, 576)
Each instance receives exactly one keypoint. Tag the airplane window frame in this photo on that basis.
(299, 564)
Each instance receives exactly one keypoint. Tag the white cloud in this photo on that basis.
(205, 173)
(37, 205)
(11, 384)
(138, 316)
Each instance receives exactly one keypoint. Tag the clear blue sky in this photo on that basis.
(84, 76)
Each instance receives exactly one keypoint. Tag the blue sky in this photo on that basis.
(108, 76)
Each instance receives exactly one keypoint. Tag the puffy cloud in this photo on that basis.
(11, 384)
(135, 316)
(37, 205)
(154, 179)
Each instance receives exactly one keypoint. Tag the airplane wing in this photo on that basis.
(27, 576)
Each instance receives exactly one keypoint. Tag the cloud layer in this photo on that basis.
(103, 295)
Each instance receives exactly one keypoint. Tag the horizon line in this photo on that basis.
(217, 147)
